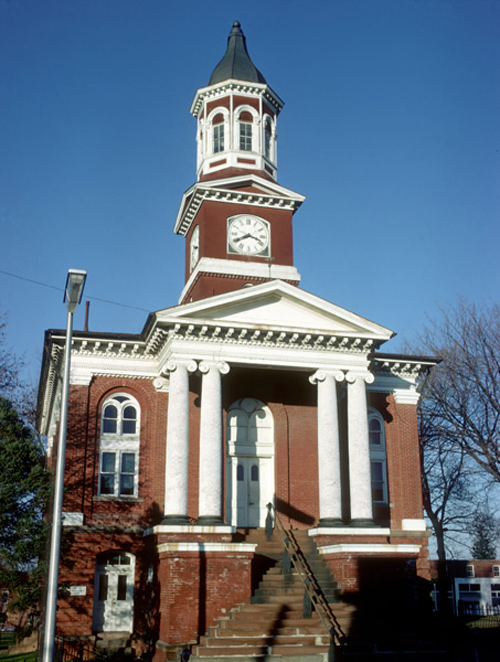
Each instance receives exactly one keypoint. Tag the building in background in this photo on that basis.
(250, 391)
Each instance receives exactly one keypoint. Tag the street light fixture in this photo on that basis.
(75, 283)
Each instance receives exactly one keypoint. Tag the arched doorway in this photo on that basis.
(114, 592)
(250, 462)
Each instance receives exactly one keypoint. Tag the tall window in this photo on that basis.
(377, 456)
(218, 133)
(245, 124)
(119, 447)
(267, 139)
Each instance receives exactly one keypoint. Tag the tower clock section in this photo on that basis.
(236, 218)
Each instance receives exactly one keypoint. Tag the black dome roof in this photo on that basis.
(236, 62)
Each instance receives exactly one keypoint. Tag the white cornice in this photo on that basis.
(233, 86)
(371, 548)
(349, 531)
(239, 268)
(223, 190)
(197, 547)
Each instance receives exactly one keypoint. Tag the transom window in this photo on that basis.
(119, 447)
(119, 417)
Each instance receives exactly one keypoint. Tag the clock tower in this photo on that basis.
(237, 220)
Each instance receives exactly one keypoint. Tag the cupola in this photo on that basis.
(236, 116)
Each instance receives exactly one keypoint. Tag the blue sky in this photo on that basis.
(390, 129)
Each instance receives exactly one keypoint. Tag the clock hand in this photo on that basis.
(245, 236)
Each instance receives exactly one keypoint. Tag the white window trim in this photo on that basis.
(208, 148)
(378, 453)
(255, 129)
(119, 443)
(272, 145)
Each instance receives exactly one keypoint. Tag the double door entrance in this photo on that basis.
(250, 469)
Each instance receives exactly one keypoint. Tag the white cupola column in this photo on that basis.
(330, 496)
(211, 447)
(176, 471)
(359, 449)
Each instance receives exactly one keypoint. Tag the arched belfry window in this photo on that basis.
(119, 446)
(218, 133)
(376, 432)
(245, 123)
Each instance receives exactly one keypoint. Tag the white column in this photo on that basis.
(330, 496)
(359, 449)
(211, 449)
(176, 471)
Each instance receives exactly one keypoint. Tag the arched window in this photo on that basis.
(218, 133)
(245, 124)
(377, 456)
(119, 447)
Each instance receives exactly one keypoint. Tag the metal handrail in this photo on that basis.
(312, 587)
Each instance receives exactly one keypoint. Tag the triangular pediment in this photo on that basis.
(276, 305)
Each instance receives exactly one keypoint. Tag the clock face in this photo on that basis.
(248, 235)
(194, 249)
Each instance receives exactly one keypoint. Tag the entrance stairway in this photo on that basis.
(272, 628)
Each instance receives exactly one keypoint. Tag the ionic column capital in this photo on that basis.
(174, 364)
(220, 366)
(364, 376)
(161, 384)
(321, 376)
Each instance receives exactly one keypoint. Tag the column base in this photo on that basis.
(328, 522)
(209, 520)
(362, 522)
(175, 519)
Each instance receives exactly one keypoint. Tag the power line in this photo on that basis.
(60, 289)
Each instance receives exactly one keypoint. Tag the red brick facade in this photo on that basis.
(137, 536)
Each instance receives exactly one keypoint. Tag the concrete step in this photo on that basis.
(268, 640)
(317, 657)
(230, 651)
(259, 633)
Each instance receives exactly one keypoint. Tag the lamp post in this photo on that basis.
(75, 282)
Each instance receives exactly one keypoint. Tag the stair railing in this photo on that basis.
(313, 593)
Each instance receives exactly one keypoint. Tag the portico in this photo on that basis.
(244, 328)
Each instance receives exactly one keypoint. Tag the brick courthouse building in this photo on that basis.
(249, 391)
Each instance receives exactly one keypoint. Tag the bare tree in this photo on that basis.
(9, 364)
(447, 480)
(459, 416)
(462, 395)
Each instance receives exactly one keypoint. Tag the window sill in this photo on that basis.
(127, 499)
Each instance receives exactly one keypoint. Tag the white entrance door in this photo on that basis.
(248, 491)
(114, 593)
(250, 464)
